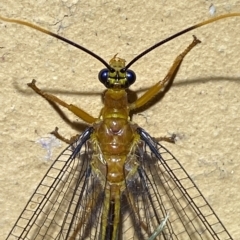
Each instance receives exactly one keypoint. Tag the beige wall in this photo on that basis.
(202, 107)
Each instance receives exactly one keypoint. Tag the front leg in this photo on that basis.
(155, 89)
(74, 109)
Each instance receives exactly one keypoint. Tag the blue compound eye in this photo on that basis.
(131, 77)
(103, 76)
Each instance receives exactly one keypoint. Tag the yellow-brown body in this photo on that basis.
(113, 141)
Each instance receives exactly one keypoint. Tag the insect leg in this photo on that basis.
(159, 229)
(155, 89)
(171, 139)
(63, 139)
(74, 109)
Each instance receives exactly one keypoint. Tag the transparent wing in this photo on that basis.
(68, 203)
(59, 207)
(160, 187)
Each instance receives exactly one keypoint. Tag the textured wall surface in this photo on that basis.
(202, 108)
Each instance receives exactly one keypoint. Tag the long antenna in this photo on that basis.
(177, 35)
(134, 59)
(31, 25)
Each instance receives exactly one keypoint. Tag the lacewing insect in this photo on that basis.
(114, 181)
